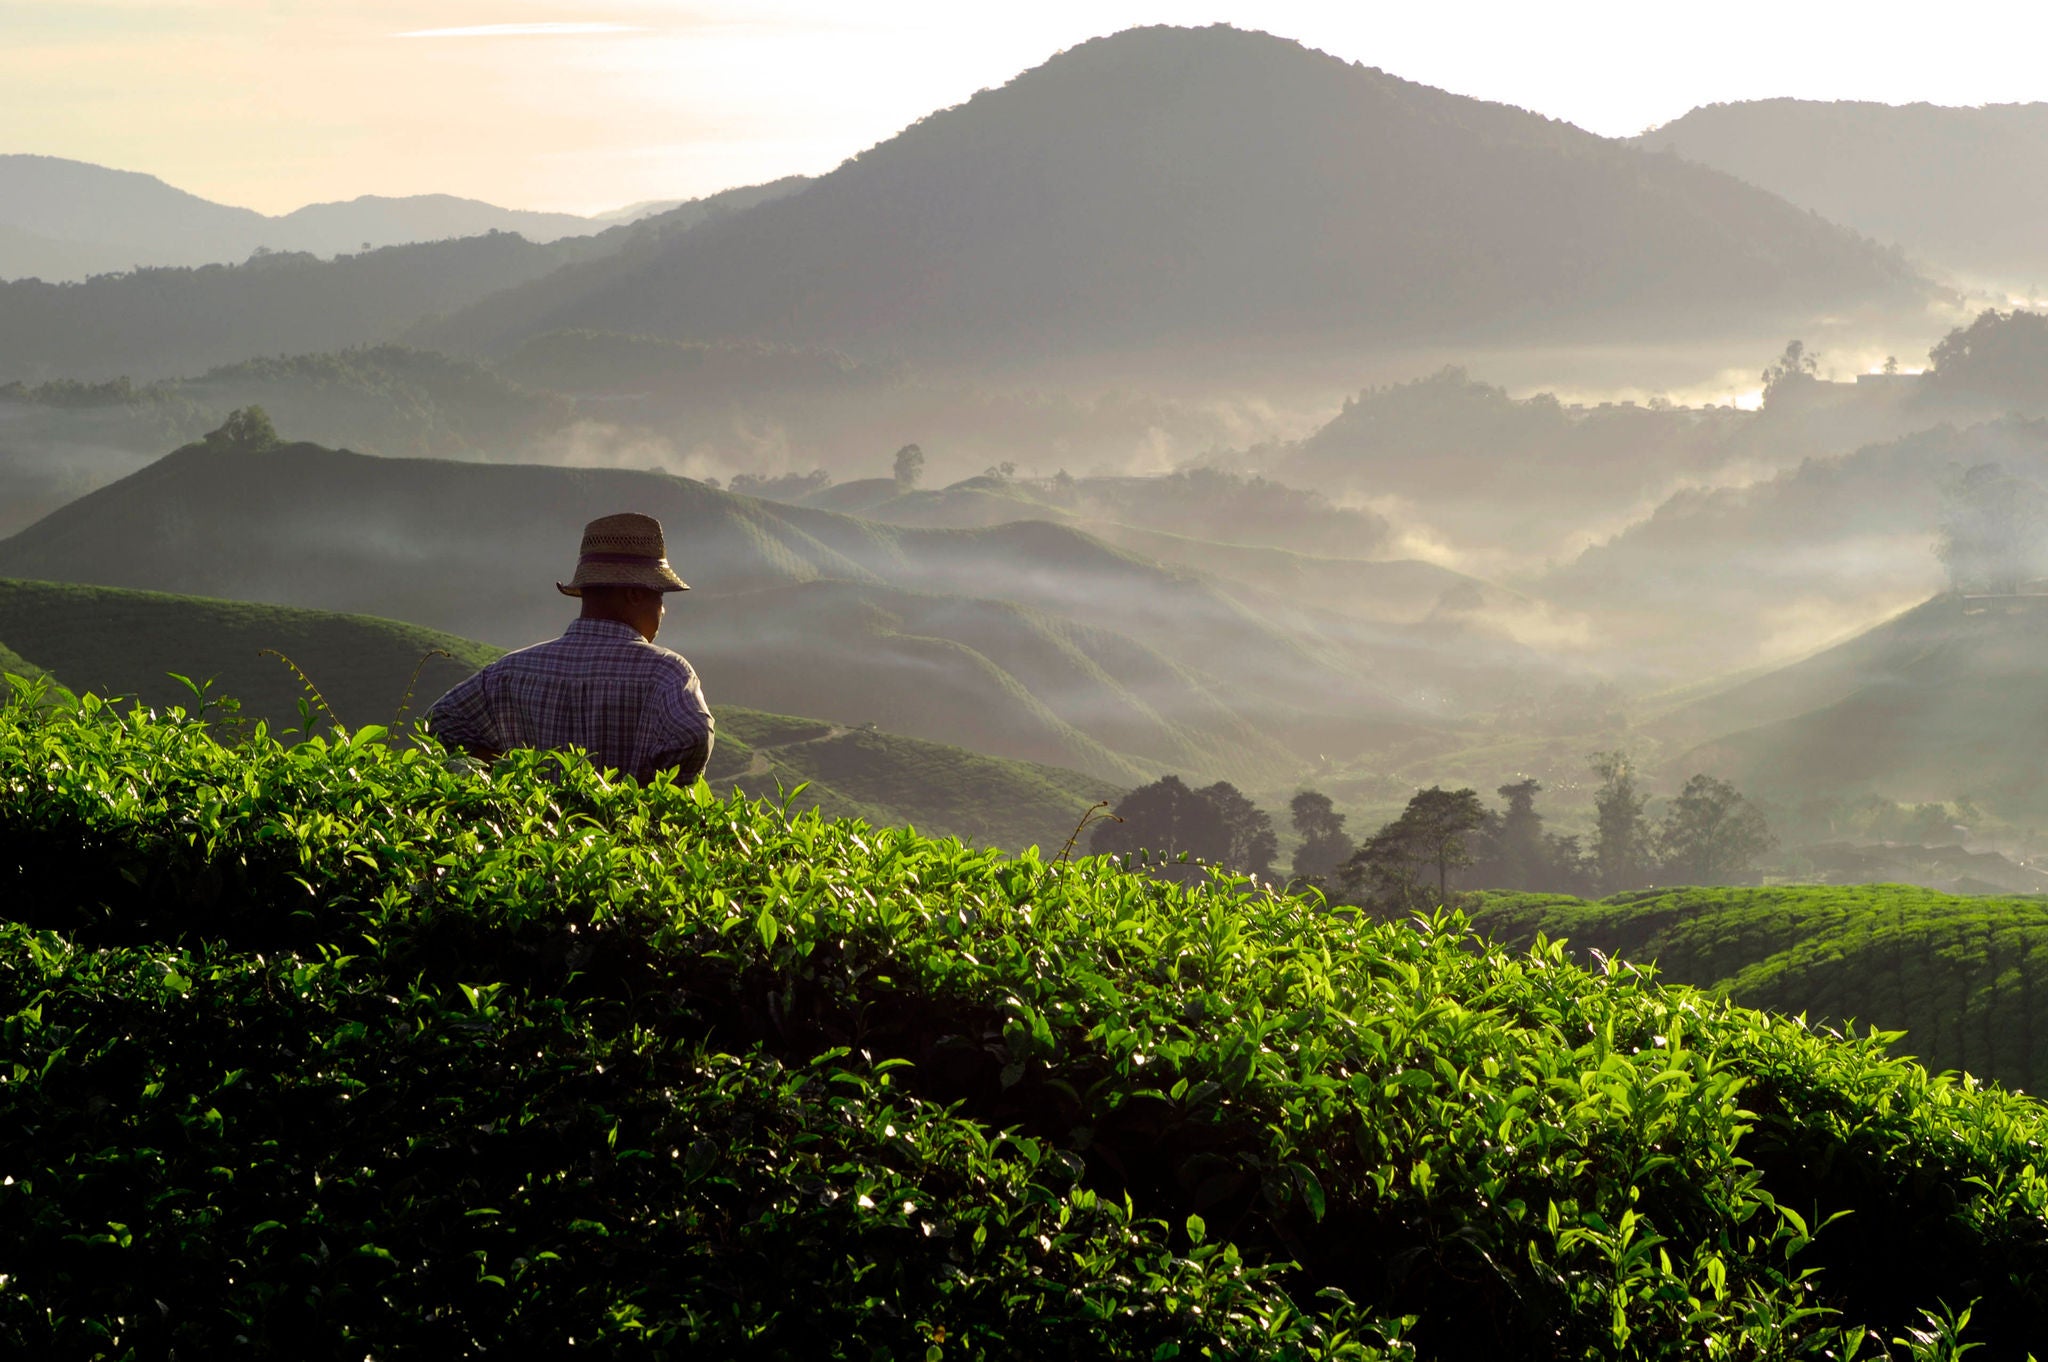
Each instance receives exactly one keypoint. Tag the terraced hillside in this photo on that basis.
(1956, 974)
(333, 1047)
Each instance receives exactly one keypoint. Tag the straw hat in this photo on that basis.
(623, 550)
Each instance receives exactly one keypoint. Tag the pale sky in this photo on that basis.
(583, 105)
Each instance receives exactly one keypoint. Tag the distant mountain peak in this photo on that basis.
(1164, 184)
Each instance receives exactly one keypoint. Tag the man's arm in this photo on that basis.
(686, 729)
(462, 718)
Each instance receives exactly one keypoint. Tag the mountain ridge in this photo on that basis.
(1169, 183)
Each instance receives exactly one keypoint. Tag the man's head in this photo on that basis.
(622, 572)
(639, 606)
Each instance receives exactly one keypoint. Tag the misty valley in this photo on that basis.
(1349, 722)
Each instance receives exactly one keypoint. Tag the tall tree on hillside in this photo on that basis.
(1711, 834)
(1250, 843)
(1791, 372)
(1430, 835)
(909, 467)
(1994, 534)
(1324, 846)
(1164, 818)
(1520, 847)
(1621, 837)
(1215, 824)
(248, 430)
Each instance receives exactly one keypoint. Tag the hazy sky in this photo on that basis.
(590, 104)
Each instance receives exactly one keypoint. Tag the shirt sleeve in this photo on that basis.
(683, 733)
(462, 717)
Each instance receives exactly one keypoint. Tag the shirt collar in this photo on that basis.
(611, 629)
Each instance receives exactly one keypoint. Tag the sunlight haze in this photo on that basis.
(583, 107)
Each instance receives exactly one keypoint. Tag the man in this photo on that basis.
(602, 686)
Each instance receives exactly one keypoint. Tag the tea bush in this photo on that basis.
(1955, 973)
(341, 1048)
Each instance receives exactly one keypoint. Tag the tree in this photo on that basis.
(1993, 530)
(1790, 371)
(1621, 838)
(1711, 834)
(1216, 824)
(1324, 847)
(1429, 834)
(1520, 848)
(247, 430)
(909, 466)
(1250, 843)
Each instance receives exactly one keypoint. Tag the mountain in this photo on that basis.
(1941, 703)
(1027, 640)
(117, 219)
(1502, 477)
(171, 322)
(1962, 188)
(61, 220)
(163, 321)
(1719, 579)
(1184, 185)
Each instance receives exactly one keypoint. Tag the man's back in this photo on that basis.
(602, 687)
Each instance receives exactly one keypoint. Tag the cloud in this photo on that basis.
(550, 30)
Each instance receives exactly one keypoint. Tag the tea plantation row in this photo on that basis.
(1956, 974)
(341, 1049)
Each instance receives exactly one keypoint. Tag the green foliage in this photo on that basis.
(340, 1048)
(1431, 835)
(907, 467)
(1621, 838)
(1324, 846)
(2001, 354)
(1215, 825)
(248, 430)
(1955, 974)
(1711, 834)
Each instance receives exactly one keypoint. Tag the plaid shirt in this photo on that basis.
(601, 687)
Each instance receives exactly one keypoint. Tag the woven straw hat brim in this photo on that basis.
(657, 576)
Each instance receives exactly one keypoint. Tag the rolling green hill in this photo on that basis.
(333, 1047)
(1939, 703)
(114, 642)
(16, 664)
(887, 779)
(992, 628)
(1956, 974)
